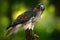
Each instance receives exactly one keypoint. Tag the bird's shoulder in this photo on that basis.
(29, 13)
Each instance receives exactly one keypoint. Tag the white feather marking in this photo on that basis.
(17, 27)
(10, 28)
(42, 6)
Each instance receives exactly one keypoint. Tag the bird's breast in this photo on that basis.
(37, 17)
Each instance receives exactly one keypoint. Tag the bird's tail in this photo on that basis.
(13, 29)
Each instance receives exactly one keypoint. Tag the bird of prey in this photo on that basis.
(26, 20)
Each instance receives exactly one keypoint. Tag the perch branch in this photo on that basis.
(30, 35)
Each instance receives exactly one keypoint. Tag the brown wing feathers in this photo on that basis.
(10, 31)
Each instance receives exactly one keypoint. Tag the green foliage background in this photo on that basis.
(48, 28)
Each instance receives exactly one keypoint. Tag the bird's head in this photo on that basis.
(40, 7)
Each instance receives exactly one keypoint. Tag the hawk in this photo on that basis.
(26, 20)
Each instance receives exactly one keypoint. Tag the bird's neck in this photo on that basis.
(39, 12)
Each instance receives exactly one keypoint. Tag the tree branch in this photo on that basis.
(30, 35)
